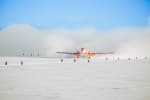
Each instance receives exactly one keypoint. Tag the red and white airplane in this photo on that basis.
(83, 53)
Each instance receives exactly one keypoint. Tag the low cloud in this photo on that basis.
(16, 39)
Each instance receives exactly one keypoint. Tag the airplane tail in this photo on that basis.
(83, 50)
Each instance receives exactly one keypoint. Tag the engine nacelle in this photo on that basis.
(90, 54)
(77, 54)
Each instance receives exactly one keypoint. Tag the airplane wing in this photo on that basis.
(65, 52)
(105, 53)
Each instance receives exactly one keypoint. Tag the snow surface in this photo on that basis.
(49, 79)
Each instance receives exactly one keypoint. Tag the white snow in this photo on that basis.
(49, 79)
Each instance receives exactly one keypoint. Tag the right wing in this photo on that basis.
(65, 52)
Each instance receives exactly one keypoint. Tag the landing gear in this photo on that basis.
(88, 60)
(74, 60)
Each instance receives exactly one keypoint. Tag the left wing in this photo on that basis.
(105, 53)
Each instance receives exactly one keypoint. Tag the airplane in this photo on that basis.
(84, 54)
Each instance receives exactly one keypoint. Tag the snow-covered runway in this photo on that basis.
(49, 79)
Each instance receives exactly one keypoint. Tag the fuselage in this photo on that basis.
(84, 53)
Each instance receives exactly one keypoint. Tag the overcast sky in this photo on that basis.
(49, 25)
